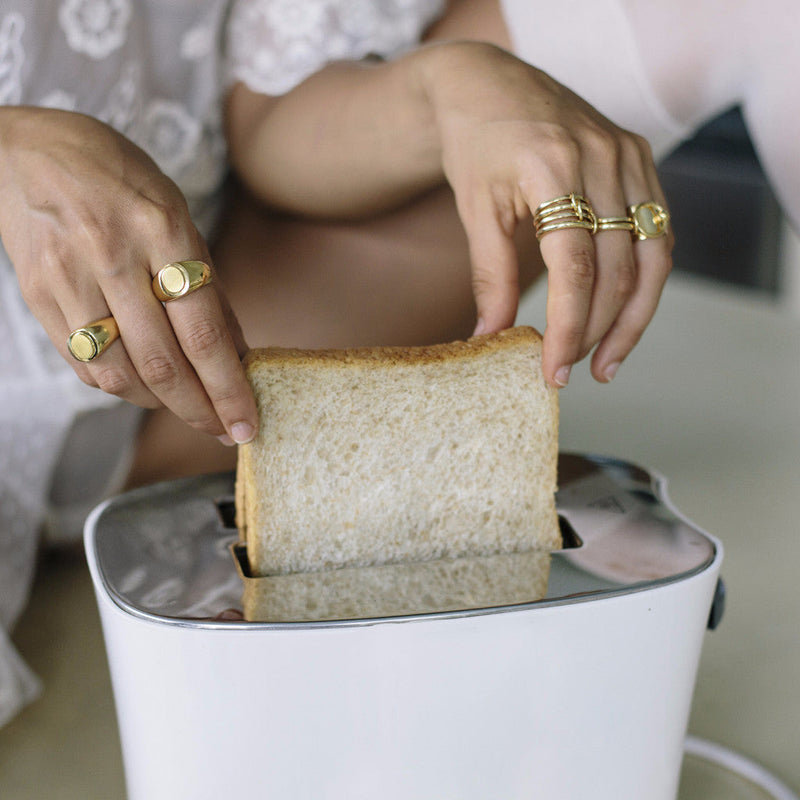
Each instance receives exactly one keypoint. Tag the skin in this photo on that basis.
(87, 219)
(405, 275)
(433, 242)
(416, 265)
(696, 70)
(505, 140)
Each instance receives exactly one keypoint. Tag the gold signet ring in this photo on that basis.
(179, 278)
(91, 340)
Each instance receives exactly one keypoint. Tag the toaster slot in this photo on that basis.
(226, 510)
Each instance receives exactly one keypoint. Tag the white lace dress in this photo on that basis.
(154, 70)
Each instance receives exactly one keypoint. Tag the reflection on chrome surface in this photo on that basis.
(165, 551)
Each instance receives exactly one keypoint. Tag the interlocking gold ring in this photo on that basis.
(179, 278)
(568, 211)
(91, 340)
(614, 224)
(650, 220)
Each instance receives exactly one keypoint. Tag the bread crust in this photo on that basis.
(384, 356)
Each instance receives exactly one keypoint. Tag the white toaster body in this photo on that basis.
(585, 694)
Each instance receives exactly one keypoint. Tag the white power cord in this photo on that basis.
(740, 765)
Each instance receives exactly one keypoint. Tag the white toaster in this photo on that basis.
(582, 695)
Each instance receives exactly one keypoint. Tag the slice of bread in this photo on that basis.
(387, 455)
(391, 590)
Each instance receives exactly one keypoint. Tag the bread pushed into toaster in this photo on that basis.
(443, 456)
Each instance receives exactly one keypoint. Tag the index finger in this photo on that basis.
(495, 279)
(185, 354)
(211, 340)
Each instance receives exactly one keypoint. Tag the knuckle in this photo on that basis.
(662, 263)
(635, 150)
(160, 371)
(581, 270)
(481, 287)
(497, 294)
(227, 397)
(487, 281)
(625, 281)
(36, 284)
(113, 380)
(604, 144)
(559, 151)
(163, 220)
(202, 338)
(208, 423)
(87, 378)
(642, 145)
(628, 336)
(572, 338)
(33, 289)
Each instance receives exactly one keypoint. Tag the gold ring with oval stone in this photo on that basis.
(650, 220)
(179, 278)
(91, 340)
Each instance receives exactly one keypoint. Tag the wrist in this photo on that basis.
(458, 82)
(419, 71)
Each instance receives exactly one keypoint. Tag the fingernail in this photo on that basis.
(479, 328)
(226, 440)
(242, 432)
(611, 370)
(562, 376)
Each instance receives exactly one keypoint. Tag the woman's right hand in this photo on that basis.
(88, 219)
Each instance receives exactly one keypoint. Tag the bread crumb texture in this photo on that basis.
(390, 455)
(390, 590)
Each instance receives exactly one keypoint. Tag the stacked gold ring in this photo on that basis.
(179, 278)
(647, 220)
(91, 340)
(568, 211)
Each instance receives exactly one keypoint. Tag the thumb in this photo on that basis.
(495, 277)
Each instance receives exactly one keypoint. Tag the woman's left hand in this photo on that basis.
(512, 139)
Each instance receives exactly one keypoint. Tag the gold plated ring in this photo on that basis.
(614, 224)
(650, 220)
(91, 340)
(568, 211)
(180, 278)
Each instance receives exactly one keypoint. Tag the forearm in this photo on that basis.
(354, 139)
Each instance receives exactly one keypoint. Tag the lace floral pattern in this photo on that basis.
(275, 44)
(170, 134)
(12, 55)
(95, 27)
(167, 100)
(112, 65)
(123, 103)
